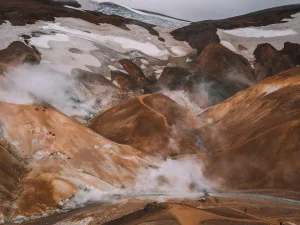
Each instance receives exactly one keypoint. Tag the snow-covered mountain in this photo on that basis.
(111, 8)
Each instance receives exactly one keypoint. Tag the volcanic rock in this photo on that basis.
(269, 61)
(173, 78)
(17, 53)
(293, 50)
(135, 72)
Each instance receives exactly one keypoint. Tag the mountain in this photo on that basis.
(111, 115)
(151, 123)
(50, 157)
(199, 34)
(254, 136)
(260, 39)
(111, 8)
(86, 47)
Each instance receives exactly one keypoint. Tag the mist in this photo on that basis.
(173, 177)
(169, 179)
(40, 85)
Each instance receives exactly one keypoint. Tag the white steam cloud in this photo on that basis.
(170, 179)
(29, 85)
(174, 177)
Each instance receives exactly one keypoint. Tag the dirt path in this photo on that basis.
(193, 216)
(268, 221)
(141, 99)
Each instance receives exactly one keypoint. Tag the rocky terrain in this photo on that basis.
(112, 115)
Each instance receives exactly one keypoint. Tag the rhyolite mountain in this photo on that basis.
(94, 95)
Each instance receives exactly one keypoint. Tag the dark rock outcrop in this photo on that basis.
(293, 50)
(17, 53)
(124, 81)
(135, 73)
(218, 74)
(173, 78)
(223, 64)
(269, 61)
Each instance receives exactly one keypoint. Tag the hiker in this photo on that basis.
(246, 211)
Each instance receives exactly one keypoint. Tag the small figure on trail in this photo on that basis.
(203, 200)
(246, 211)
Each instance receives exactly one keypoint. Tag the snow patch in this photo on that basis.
(260, 33)
(112, 68)
(188, 60)
(271, 88)
(43, 41)
(45, 62)
(71, 7)
(179, 51)
(228, 45)
(147, 48)
(144, 61)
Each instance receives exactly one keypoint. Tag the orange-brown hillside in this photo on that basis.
(10, 174)
(47, 157)
(254, 136)
(152, 123)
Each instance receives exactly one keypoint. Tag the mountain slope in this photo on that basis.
(111, 8)
(254, 136)
(152, 123)
(62, 158)
(98, 108)
(200, 34)
(10, 176)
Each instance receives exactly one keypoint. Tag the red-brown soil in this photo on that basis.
(10, 175)
(254, 136)
(216, 211)
(152, 123)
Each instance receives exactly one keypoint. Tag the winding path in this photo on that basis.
(141, 99)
